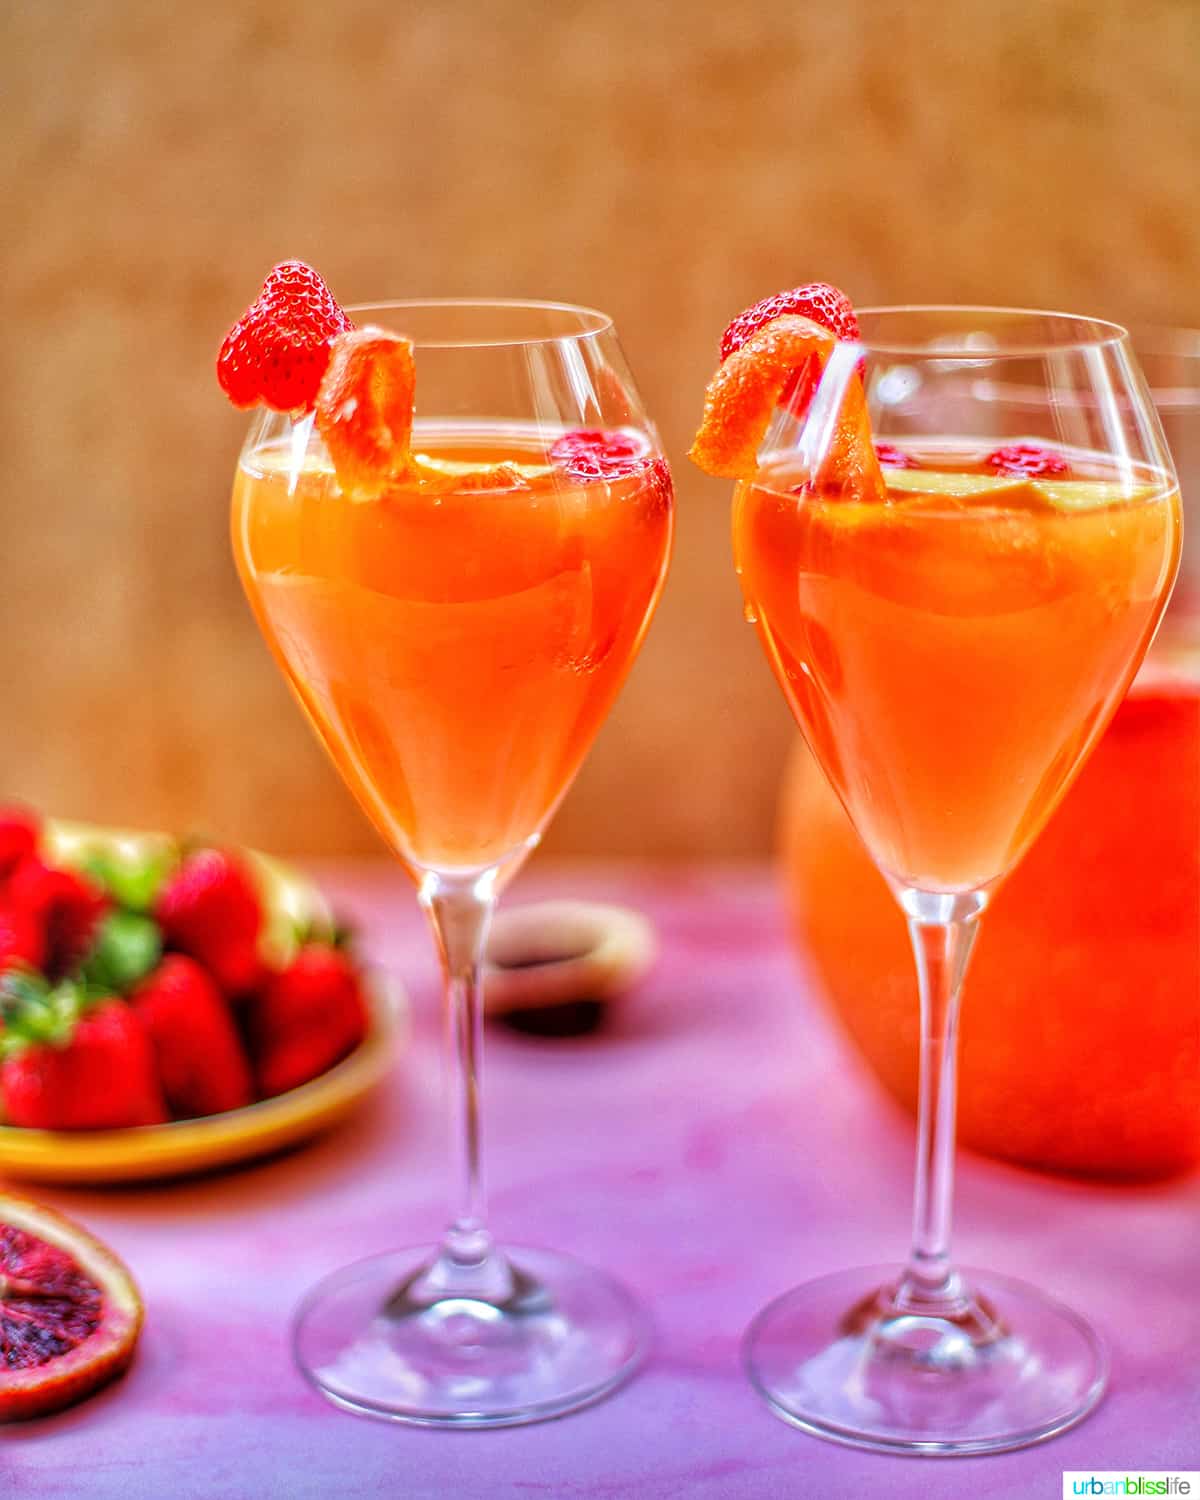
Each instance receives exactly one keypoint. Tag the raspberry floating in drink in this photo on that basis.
(1027, 459)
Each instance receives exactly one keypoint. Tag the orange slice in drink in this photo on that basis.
(365, 408)
(365, 416)
(748, 387)
(448, 475)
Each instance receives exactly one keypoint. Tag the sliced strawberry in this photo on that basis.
(365, 408)
(210, 909)
(1027, 459)
(201, 1063)
(277, 351)
(306, 1019)
(818, 301)
(594, 453)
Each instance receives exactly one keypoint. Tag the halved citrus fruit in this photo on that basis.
(771, 365)
(70, 1314)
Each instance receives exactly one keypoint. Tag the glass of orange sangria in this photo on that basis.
(953, 607)
(453, 523)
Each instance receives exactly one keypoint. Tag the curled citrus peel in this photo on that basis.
(750, 384)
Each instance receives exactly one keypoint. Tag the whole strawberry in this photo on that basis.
(73, 1060)
(21, 940)
(67, 908)
(19, 834)
(277, 351)
(305, 1019)
(210, 909)
(201, 1063)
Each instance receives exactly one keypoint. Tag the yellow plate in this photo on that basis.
(150, 1151)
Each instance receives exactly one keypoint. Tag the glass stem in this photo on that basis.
(460, 912)
(943, 929)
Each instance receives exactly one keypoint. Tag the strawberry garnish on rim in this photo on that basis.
(277, 351)
(817, 300)
(774, 354)
(1028, 460)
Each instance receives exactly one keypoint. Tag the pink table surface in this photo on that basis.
(717, 1144)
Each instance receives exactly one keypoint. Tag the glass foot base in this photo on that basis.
(837, 1358)
(398, 1337)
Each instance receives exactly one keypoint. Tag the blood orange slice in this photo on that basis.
(751, 382)
(70, 1314)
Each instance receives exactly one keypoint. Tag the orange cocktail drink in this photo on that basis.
(455, 646)
(453, 521)
(954, 590)
(952, 651)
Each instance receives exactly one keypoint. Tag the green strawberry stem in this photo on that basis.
(128, 946)
(132, 882)
(35, 1014)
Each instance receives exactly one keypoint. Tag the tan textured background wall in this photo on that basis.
(668, 161)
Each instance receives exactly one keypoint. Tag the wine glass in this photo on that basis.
(1170, 360)
(456, 642)
(952, 648)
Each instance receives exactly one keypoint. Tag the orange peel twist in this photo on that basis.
(748, 386)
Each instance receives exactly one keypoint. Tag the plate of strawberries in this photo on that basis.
(169, 1007)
